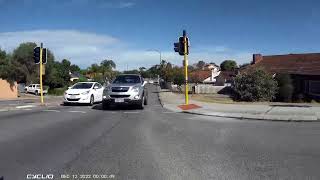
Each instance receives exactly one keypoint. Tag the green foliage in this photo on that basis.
(200, 64)
(228, 65)
(25, 69)
(285, 86)
(57, 91)
(255, 85)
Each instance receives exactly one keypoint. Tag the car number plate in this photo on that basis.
(73, 97)
(119, 100)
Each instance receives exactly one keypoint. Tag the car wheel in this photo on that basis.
(145, 101)
(105, 105)
(141, 105)
(37, 93)
(91, 100)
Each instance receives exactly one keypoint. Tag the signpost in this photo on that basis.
(182, 47)
(40, 57)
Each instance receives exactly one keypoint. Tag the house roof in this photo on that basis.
(227, 75)
(200, 75)
(303, 64)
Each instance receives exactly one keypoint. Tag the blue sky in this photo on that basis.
(87, 31)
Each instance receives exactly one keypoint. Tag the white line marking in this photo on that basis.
(4, 110)
(169, 112)
(77, 111)
(135, 112)
(50, 110)
(26, 106)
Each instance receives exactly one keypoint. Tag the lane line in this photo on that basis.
(168, 112)
(25, 106)
(4, 110)
(134, 112)
(77, 112)
(50, 110)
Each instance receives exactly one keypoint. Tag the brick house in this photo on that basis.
(304, 70)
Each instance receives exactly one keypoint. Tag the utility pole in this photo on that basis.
(185, 56)
(40, 57)
(41, 88)
(182, 47)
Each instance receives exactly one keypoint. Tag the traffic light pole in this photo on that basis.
(41, 88)
(186, 69)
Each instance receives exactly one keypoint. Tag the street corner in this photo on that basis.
(186, 107)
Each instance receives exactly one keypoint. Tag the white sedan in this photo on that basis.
(84, 92)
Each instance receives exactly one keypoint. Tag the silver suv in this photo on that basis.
(126, 89)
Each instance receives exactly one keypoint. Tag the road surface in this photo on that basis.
(152, 144)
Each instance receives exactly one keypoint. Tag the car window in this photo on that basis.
(82, 86)
(127, 79)
(38, 86)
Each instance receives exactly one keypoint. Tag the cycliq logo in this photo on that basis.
(40, 176)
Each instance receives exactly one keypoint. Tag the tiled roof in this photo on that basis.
(200, 74)
(303, 64)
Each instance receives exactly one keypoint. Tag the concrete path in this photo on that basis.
(276, 112)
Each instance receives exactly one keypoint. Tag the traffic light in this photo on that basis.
(180, 46)
(44, 55)
(36, 55)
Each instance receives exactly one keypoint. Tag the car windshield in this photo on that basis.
(130, 79)
(82, 86)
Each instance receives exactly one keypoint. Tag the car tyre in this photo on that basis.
(91, 100)
(141, 104)
(36, 93)
(145, 101)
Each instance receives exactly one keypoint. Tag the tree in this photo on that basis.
(286, 87)
(200, 64)
(74, 68)
(255, 85)
(106, 68)
(228, 65)
(22, 60)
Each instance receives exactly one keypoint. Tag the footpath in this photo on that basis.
(28, 101)
(273, 112)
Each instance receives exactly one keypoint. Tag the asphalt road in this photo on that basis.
(152, 144)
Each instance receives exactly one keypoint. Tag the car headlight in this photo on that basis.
(135, 89)
(86, 92)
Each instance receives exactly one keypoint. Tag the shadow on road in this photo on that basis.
(114, 107)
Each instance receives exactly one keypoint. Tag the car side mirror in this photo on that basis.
(69, 87)
(96, 87)
(144, 83)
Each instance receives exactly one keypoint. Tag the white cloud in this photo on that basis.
(85, 48)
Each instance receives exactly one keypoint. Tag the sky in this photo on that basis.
(126, 31)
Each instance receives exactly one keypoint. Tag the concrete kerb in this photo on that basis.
(259, 117)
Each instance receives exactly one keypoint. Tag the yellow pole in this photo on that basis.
(41, 89)
(186, 71)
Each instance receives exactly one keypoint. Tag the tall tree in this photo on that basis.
(200, 64)
(228, 65)
(25, 68)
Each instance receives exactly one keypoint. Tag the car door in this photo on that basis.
(100, 91)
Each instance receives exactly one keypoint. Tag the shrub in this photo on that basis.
(57, 91)
(255, 85)
(285, 86)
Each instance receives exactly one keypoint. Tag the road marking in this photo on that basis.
(169, 112)
(4, 110)
(77, 112)
(134, 112)
(26, 106)
(27, 109)
(50, 110)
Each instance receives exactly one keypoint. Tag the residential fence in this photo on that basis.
(198, 88)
